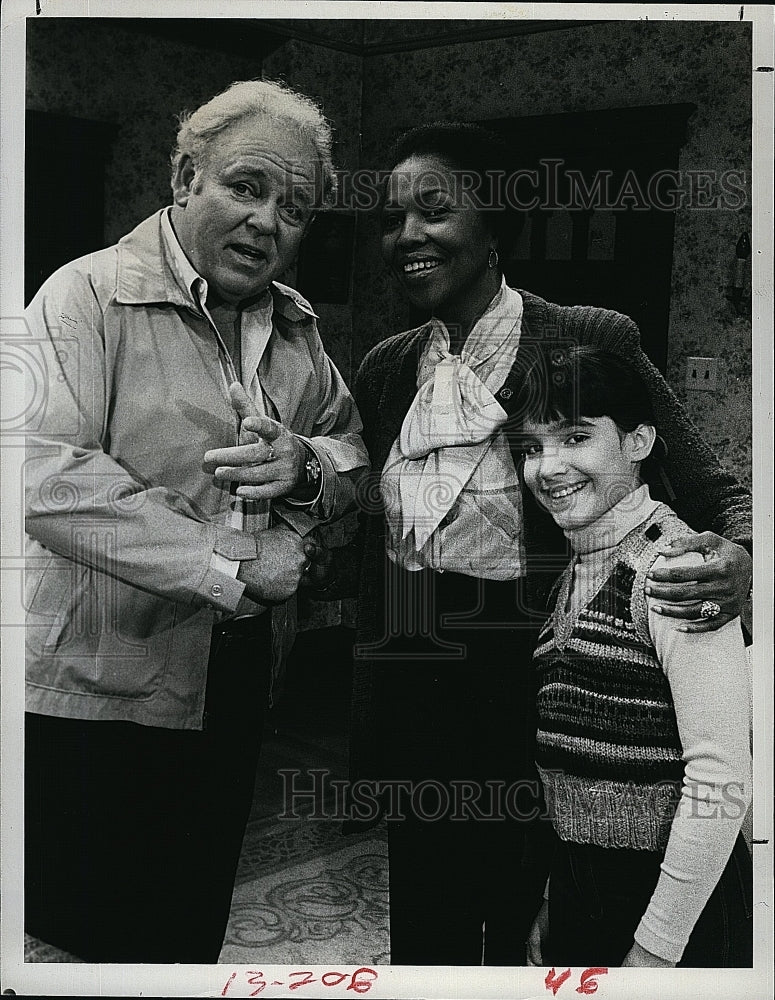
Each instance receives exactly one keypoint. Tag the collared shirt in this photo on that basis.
(450, 489)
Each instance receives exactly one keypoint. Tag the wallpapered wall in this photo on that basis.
(94, 68)
(99, 70)
(620, 64)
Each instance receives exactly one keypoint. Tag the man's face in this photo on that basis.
(243, 211)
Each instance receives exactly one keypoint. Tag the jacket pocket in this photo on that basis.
(107, 638)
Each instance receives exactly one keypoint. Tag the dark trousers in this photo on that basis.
(460, 893)
(598, 896)
(460, 725)
(133, 833)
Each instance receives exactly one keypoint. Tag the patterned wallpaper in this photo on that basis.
(94, 68)
(332, 78)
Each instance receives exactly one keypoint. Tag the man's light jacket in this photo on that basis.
(124, 526)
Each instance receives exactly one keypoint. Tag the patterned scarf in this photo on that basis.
(450, 489)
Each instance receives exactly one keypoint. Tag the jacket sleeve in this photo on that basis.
(703, 493)
(80, 502)
(335, 438)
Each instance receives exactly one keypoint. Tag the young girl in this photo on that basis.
(643, 731)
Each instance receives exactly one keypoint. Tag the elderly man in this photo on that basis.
(158, 588)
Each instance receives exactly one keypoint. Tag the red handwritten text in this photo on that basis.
(587, 982)
(359, 981)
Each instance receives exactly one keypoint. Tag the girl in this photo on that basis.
(643, 726)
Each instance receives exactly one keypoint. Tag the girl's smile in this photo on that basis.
(578, 471)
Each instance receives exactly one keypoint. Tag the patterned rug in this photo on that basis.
(325, 901)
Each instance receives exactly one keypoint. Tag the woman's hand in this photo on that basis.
(537, 937)
(724, 578)
(638, 958)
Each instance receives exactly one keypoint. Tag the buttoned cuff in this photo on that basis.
(221, 591)
(297, 518)
(220, 587)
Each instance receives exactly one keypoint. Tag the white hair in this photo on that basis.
(269, 98)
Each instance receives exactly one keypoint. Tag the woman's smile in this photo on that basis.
(438, 246)
(420, 268)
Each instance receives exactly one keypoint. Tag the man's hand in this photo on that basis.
(724, 577)
(283, 558)
(269, 460)
(639, 958)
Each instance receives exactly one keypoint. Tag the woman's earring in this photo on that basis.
(492, 260)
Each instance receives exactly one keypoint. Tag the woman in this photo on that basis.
(457, 563)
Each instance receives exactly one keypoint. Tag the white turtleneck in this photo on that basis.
(709, 683)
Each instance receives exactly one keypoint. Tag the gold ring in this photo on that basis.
(709, 609)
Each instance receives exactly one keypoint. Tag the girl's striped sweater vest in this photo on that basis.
(608, 747)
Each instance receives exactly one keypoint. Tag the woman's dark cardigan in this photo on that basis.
(692, 482)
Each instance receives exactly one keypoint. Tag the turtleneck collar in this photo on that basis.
(617, 522)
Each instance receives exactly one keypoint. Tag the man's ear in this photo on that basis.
(183, 179)
(640, 441)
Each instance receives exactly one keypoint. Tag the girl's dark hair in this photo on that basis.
(484, 163)
(567, 383)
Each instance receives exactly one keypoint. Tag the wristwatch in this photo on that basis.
(313, 470)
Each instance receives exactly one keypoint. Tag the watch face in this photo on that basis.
(313, 471)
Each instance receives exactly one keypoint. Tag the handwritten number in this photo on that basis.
(554, 982)
(589, 983)
(362, 985)
(360, 981)
(302, 982)
(256, 979)
(327, 981)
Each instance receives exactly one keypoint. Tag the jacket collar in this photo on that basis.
(146, 274)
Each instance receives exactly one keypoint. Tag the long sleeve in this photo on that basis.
(709, 682)
(335, 439)
(146, 534)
